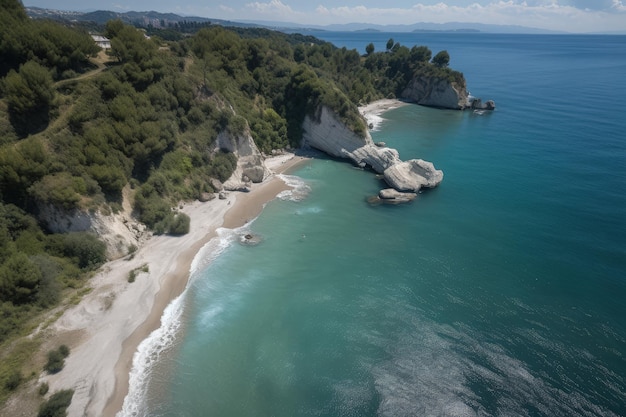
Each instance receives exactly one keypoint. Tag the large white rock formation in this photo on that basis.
(413, 175)
(436, 92)
(328, 134)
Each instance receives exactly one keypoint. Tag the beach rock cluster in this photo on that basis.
(328, 134)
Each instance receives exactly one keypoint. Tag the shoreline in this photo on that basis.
(106, 327)
(373, 111)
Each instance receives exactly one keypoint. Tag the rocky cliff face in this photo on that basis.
(328, 134)
(119, 231)
(436, 92)
(250, 165)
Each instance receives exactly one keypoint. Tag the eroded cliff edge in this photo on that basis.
(443, 93)
(325, 132)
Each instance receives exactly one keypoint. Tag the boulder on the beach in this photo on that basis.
(204, 197)
(412, 175)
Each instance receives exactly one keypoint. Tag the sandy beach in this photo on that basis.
(373, 111)
(104, 330)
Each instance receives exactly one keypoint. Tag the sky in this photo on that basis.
(562, 15)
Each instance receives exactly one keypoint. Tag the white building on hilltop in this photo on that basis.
(101, 41)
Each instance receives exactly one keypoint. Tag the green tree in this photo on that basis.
(421, 54)
(390, 44)
(29, 90)
(57, 405)
(369, 49)
(19, 279)
(442, 59)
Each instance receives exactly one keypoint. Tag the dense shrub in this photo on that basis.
(84, 248)
(57, 405)
(179, 225)
(56, 359)
(14, 380)
(55, 363)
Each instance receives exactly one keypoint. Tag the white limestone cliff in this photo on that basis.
(328, 134)
(413, 175)
(250, 165)
(436, 92)
(119, 231)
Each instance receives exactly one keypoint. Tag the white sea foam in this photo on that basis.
(148, 354)
(151, 349)
(309, 210)
(374, 121)
(299, 188)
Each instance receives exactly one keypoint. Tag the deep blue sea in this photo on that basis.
(500, 293)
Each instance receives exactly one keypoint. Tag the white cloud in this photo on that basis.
(274, 9)
(547, 14)
(322, 10)
(619, 6)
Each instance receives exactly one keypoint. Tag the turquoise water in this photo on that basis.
(500, 293)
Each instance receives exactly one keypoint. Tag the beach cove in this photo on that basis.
(105, 329)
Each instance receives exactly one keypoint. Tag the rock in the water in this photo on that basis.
(477, 104)
(250, 239)
(391, 196)
(412, 175)
(223, 195)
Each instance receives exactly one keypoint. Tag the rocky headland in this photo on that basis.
(443, 93)
(325, 132)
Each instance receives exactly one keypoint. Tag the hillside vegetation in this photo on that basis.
(73, 135)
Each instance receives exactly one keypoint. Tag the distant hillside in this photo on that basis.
(149, 18)
(415, 27)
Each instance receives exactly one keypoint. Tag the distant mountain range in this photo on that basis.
(156, 19)
(164, 20)
(415, 27)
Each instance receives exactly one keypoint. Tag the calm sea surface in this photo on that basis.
(500, 293)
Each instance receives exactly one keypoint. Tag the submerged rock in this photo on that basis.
(250, 239)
